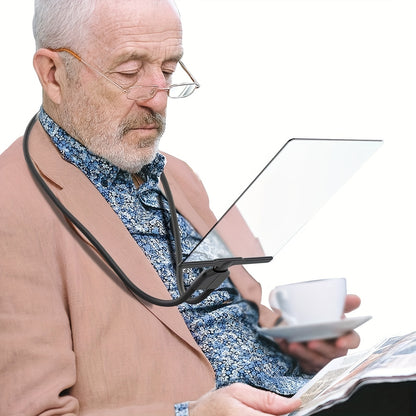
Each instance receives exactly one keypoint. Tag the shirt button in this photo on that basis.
(104, 182)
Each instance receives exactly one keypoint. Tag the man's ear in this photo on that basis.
(51, 72)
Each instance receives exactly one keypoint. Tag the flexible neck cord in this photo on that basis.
(185, 295)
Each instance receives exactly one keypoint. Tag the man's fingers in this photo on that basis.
(242, 400)
(314, 355)
(310, 360)
(263, 401)
(349, 341)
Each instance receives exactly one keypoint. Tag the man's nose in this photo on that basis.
(158, 101)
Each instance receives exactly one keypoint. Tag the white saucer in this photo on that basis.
(323, 330)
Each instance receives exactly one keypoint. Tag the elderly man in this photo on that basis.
(74, 341)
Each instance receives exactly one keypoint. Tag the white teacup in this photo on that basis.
(310, 302)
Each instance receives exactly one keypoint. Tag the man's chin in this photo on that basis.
(134, 161)
(128, 155)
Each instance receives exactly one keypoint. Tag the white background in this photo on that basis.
(273, 70)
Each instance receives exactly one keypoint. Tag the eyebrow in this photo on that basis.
(134, 56)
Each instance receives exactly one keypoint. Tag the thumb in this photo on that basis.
(352, 302)
(266, 401)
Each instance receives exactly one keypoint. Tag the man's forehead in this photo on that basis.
(137, 12)
(128, 24)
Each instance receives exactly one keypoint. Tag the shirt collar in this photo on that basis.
(96, 168)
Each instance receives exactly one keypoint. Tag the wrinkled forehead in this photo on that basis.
(151, 25)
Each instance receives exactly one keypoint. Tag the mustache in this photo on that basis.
(144, 120)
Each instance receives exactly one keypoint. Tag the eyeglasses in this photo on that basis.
(144, 92)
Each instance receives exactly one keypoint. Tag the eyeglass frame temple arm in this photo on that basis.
(76, 56)
(197, 85)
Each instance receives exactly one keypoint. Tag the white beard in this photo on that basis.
(105, 139)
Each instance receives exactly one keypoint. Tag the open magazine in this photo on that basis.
(393, 360)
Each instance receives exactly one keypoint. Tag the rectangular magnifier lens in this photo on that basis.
(283, 197)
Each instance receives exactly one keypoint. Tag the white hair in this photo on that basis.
(61, 23)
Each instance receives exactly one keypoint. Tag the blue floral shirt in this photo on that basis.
(224, 324)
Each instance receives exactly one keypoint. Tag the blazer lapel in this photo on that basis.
(80, 197)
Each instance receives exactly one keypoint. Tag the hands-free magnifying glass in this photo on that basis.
(289, 190)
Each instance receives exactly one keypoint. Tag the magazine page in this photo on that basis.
(400, 362)
(393, 359)
(314, 394)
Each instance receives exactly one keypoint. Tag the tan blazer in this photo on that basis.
(72, 338)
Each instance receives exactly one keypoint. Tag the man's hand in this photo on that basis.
(242, 400)
(313, 355)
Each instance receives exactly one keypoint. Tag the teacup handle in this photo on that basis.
(278, 300)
